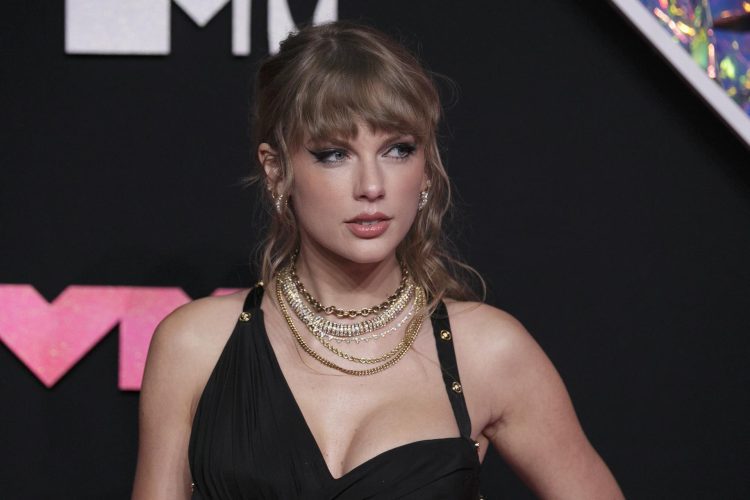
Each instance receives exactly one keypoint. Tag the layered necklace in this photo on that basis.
(351, 313)
(334, 329)
(290, 290)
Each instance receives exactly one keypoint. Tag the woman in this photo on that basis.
(359, 369)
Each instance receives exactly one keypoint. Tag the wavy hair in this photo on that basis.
(326, 79)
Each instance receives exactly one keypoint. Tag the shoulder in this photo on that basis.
(497, 355)
(488, 333)
(196, 325)
(199, 320)
(187, 344)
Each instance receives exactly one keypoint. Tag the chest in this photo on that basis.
(267, 426)
(352, 419)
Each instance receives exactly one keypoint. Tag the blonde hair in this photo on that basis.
(326, 79)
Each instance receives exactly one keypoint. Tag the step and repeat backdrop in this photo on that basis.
(606, 205)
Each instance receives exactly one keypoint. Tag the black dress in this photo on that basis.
(250, 440)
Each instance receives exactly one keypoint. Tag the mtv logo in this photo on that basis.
(142, 27)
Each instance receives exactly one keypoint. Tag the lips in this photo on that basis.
(368, 226)
(369, 217)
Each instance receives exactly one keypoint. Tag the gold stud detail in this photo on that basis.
(445, 335)
(456, 387)
(192, 486)
(244, 316)
(476, 444)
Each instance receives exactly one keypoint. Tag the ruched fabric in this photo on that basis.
(249, 438)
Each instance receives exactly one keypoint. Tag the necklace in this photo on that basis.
(331, 328)
(351, 313)
(356, 359)
(412, 331)
(374, 336)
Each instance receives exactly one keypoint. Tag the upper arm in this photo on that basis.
(175, 372)
(532, 422)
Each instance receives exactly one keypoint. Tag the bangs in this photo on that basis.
(334, 101)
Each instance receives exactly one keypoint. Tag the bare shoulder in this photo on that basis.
(188, 342)
(199, 321)
(481, 317)
(499, 360)
(487, 334)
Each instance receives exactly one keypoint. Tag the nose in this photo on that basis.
(370, 184)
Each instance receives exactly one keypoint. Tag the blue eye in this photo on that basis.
(329, 155)
(402, 150)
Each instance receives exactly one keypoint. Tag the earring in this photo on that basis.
(424, 196)
(280, 202)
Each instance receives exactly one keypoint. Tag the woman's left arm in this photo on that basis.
(531, 421)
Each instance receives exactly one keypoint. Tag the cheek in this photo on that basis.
(406, 188)
(319, 202)
(319, 193)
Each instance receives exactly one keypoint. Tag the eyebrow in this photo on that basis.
(393, 137)
(347, 144)
(330, 141)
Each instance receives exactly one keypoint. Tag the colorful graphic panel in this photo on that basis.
(715, 34)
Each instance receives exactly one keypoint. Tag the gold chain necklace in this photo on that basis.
(351, 313)
(378, 335)
(356, 359)
(412, 331)
(316, 328)
(316, 322)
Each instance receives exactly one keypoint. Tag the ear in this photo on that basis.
(269, 160)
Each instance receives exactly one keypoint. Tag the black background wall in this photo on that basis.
(606, 205)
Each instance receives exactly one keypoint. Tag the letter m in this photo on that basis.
(142, 27)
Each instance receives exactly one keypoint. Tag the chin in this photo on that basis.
(360, 251)
(368, 252)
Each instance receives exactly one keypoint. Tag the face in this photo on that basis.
(356, 199)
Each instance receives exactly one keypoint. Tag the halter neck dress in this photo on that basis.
(249, 438)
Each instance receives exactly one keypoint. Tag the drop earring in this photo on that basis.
(423, 197)
(280, 202)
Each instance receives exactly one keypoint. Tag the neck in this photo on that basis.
(337, 281)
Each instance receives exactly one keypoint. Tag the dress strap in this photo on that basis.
(441, 327)
(253, 298)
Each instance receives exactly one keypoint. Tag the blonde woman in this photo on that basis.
(362, 366)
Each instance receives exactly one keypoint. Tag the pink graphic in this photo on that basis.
(51, 338)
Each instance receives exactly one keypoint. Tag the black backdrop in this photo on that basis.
(605, 204)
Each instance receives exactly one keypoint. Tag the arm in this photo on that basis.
(165, 415)
(532, 422)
